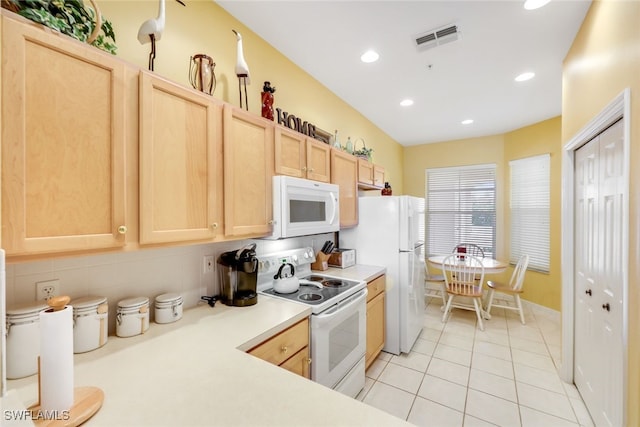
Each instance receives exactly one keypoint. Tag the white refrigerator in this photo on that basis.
(388, 234)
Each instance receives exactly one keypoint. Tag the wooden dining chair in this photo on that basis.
(469, 249)
(460, 272)
(513, 289)
(434, 285)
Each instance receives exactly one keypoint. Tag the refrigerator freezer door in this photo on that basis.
(411, 298)
(411, 217)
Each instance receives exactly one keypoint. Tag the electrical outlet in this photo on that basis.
(207, 264)
(47, 289)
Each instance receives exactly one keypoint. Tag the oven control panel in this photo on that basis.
(297, 257)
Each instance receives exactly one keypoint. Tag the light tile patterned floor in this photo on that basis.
(457, 375)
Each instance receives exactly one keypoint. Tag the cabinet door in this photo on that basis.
(299, 363)
(365, 172)
(290, 153)
(375, 328)
(378, 176)
(344, 172)
(318, 161)
(63, 142)
(248, 169)
(180, 162)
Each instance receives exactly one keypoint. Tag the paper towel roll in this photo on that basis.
(56, 359)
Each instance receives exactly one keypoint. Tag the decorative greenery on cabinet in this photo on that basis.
(70, 17)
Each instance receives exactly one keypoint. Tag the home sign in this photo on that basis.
(295, 123)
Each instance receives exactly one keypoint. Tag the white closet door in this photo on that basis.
(586, 243)
(598, 271)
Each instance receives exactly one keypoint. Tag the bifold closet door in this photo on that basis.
(598, 326)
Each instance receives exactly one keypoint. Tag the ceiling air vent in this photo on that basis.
(436, 37)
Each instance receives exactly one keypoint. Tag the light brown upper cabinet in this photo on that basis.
(378, 176)
(300, 156)
(344, 172)
(180, 163)
(63, 143)
(248, 172)
(370, 176)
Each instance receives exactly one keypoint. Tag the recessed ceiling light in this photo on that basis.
(467, 122)
(369, 56)
(406, 102)
(525, 76)
(535, 4)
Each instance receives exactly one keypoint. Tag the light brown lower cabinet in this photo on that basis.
(289, 349)
(375, 319)
(299, 363)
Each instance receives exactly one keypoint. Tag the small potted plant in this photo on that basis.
(364, 152)
(70, 17)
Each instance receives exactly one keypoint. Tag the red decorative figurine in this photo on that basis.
(267, 100)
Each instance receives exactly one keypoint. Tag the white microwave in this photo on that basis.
(302, 207)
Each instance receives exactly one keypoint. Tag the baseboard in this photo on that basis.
(546, 311)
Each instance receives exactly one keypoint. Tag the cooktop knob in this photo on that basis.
(306, 255)
(294, 258)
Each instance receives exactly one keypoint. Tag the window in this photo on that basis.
(530, 182)
(461, 207)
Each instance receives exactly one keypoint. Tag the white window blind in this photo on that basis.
(461, 208)
(530, 182)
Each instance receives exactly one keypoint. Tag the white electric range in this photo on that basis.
(338, 319)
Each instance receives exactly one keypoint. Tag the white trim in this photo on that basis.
(529, 159)
(549, 313)
(479, 166)
(619, 107)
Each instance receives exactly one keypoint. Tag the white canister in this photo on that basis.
(132, 317)
(90, 323)
(168, 308)
(23, 339)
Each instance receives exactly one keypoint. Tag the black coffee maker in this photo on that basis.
(238, 272)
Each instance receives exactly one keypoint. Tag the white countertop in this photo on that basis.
(195, 372)
(356, 272)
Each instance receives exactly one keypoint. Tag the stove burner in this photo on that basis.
(314, 278)
(309, 297)
(333, 283)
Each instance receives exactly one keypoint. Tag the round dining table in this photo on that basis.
(491, 266)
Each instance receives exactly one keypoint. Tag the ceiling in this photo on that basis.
(469, 78)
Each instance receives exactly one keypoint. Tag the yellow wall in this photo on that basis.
(543, 137)
(204, 27)
(474, 151)
(603, 60)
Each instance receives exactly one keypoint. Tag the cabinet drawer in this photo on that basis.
(284, 345)
(299, 363)
(375, 287)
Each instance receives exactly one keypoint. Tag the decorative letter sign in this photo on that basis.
(295, 123)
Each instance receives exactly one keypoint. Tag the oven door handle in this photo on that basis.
(344, 305)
